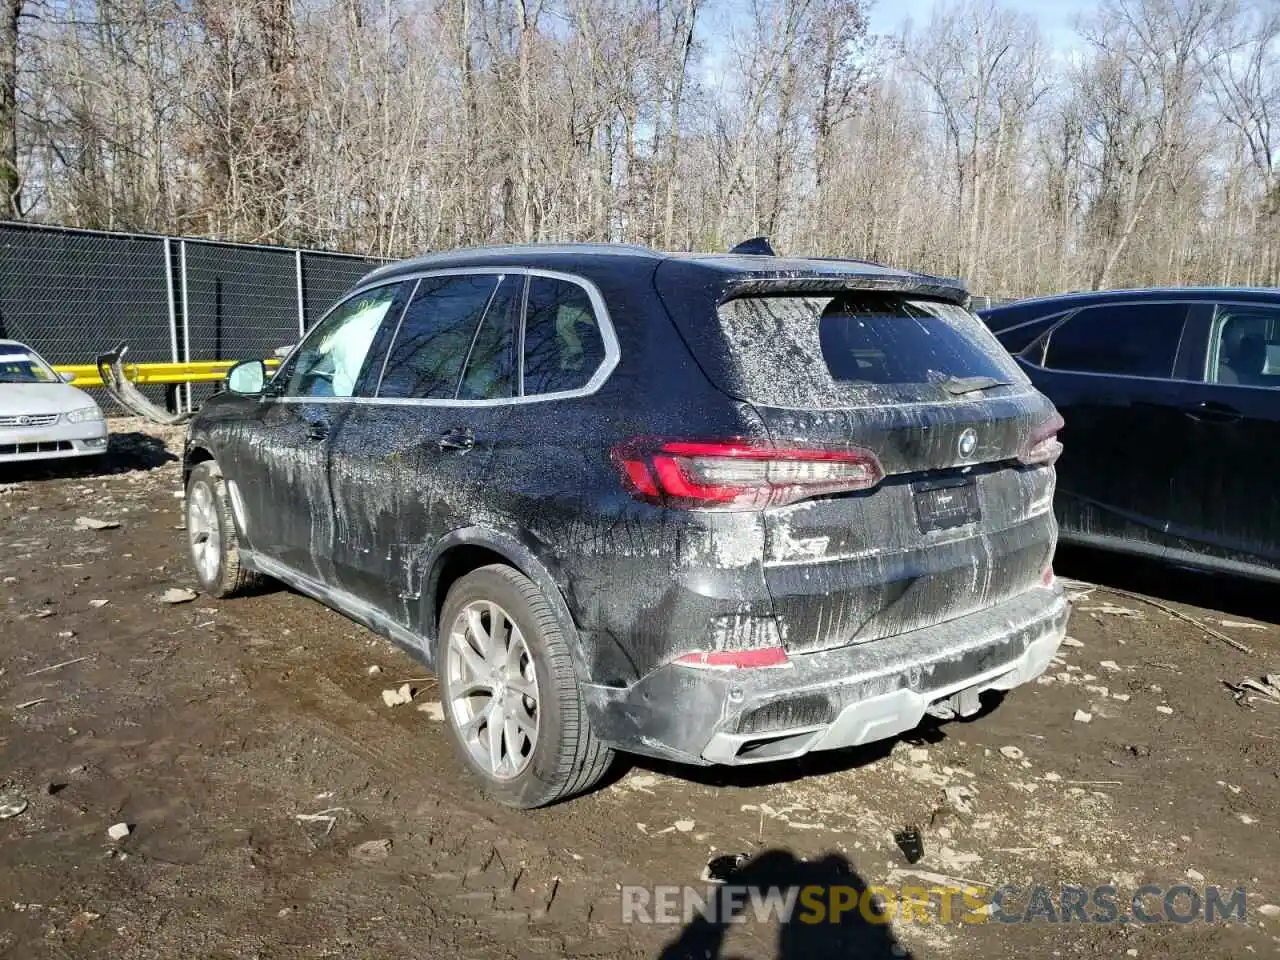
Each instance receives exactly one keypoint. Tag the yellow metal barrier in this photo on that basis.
(199, 371)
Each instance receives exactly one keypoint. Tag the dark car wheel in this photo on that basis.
(510, 693)
(211, 533)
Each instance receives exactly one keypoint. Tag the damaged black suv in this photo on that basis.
(720, 509)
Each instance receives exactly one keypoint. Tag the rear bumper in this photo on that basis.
(53, 442)
(834, 698)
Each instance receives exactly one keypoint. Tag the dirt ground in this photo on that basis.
(280, 809)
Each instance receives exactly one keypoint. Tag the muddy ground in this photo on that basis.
(248, 747)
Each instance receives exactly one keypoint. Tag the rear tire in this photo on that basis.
(212, 537)
(542, 749)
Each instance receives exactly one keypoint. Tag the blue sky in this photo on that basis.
(1057, 17)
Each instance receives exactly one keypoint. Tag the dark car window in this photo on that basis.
(1126, 339)
(1246, 346)
(330, 361)
(426, 359)
(822, 352)
(563, 345)
(491, 366)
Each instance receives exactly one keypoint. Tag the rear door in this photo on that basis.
(1224, 499)
(1110, 370)
(958, 523)
(408, 464)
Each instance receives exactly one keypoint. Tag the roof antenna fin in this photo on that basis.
(755, 247)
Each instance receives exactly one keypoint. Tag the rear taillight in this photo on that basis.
(739, 474)
(1043, 446)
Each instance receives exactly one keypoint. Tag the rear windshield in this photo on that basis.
(861, 348)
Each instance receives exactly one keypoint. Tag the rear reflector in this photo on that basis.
(736, 659)
(1043, 446)
(739, 474)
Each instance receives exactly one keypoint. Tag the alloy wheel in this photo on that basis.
(493, 689)
(204, 532)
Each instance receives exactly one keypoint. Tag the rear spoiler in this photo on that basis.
(937, 288)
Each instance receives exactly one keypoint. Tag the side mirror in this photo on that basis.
(68, 377)
(247, 378)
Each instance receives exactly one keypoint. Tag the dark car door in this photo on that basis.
(1224, 500)
(281, 467)
(1110, 370)
(409, 463)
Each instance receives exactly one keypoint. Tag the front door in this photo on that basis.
(284, 486)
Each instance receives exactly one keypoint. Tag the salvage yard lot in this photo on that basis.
(281, 809)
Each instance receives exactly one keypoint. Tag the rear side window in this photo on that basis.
(1246, 346)
(491, 365)
(426, 359)
(563, 346)
(858, 348)
(1130, 339)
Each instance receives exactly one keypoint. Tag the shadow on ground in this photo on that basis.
(126, 453)
(860, 930)
(1230, 595)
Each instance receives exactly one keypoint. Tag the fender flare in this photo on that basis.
(519, 555)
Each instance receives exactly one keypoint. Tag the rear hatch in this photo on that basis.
(961, 519)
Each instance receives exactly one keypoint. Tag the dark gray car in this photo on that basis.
(717, 509)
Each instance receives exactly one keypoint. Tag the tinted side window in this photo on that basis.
(563, 346)
(1130, 339)
(333, 355)
(435, 335)
(491, 366)
(1246, 345)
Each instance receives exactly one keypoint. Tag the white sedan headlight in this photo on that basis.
(85, 414)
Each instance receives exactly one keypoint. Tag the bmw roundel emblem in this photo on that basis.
(968, 443)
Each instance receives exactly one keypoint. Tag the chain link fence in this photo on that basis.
(73, 294)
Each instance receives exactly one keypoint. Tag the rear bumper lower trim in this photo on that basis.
(867, 692)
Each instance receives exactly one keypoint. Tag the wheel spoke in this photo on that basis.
(469, 729)
(475, 662)
(525, 722)
(472, 687)
(477, 632)
(497, 652)
(524, 688)
(495, 741)
(511, 733)
(515, 650)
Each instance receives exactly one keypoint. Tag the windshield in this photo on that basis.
(20, 366)
(862, 347)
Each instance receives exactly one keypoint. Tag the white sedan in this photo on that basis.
(43, 417)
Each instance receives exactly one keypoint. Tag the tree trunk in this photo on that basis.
(673, 136)
(10, 179)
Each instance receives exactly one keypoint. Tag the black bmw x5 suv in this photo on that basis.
(720, 509)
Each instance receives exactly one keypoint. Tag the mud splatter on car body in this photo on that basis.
(916, 578)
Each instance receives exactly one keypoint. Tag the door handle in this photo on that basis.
(459, 438)
(1210, 412)
(317, 431)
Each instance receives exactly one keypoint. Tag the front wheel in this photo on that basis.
(212, 537)
(510, 693)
